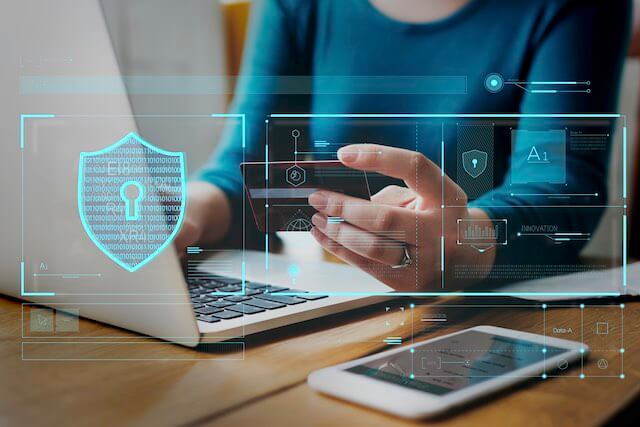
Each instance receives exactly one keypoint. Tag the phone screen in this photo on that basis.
(456, 362)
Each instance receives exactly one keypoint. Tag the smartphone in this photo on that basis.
(278, 192)
(433, 377)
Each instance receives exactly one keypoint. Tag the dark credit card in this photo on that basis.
(279, 192)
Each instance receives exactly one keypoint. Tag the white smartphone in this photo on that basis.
(437, 375)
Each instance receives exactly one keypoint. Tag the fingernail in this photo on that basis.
(319, 221)
(318, 200)
(348, 154)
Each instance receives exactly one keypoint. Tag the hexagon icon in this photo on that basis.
(296, 175)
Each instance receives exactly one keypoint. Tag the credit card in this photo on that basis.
(278, 192)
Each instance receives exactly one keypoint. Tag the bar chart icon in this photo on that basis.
(477, 232)
(486, 231)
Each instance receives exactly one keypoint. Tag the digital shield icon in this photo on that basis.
(474, 162)
(131, 199)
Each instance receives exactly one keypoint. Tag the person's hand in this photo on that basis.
(373, 235)
(207, 218)
(189, 234)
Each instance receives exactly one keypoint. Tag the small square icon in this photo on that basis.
(538, 156)
(67, 320)
(602, 328)
(41, 320)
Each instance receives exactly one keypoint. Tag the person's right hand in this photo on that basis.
(207, 218)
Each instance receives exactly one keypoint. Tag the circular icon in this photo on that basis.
(562, 364)
(295, 133)
(494, 83)
(299, 224)
(603, 363)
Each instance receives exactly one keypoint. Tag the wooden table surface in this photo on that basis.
(269, 386)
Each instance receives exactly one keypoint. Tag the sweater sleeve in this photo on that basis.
(272, 52)
(584, 40)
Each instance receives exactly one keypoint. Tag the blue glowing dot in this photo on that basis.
(412, 305)
(544, 306)
(581, 305)
(581, 376)
(412, 351)
(294, 270)
(494, 82)
(582, 350)
(544, 376)
(622, 350)
(544, 349)
(412, 376)
(621, 376)
(621, 305)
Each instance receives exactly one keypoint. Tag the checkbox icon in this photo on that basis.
(67, 320)
(602, 328)
(41, 320)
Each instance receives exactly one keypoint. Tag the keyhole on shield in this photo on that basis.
(475, 163)
(131, 192)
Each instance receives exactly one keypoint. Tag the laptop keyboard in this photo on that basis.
(211, 305)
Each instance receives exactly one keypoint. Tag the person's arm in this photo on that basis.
(272, 49)
(584, 41)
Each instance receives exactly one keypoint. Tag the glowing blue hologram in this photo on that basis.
(293, 270)
(474, 162)
(131, 199)
(538, 156)
(131, 210)
(494, 82)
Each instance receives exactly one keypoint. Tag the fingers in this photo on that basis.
(399, 279)
(187, 235)
(395, 223)
(372, 246)
(379, 271)
(394, 195)
(419, 173)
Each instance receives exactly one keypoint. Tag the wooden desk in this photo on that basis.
(268, 387)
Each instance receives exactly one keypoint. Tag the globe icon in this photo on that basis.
(299, 224)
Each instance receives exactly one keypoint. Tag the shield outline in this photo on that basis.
(480, 154)
(183, 204)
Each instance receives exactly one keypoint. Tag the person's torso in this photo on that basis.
(365, 62)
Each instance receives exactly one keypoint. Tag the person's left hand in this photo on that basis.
(373, 235)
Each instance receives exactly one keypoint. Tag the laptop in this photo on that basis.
(47, 257)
